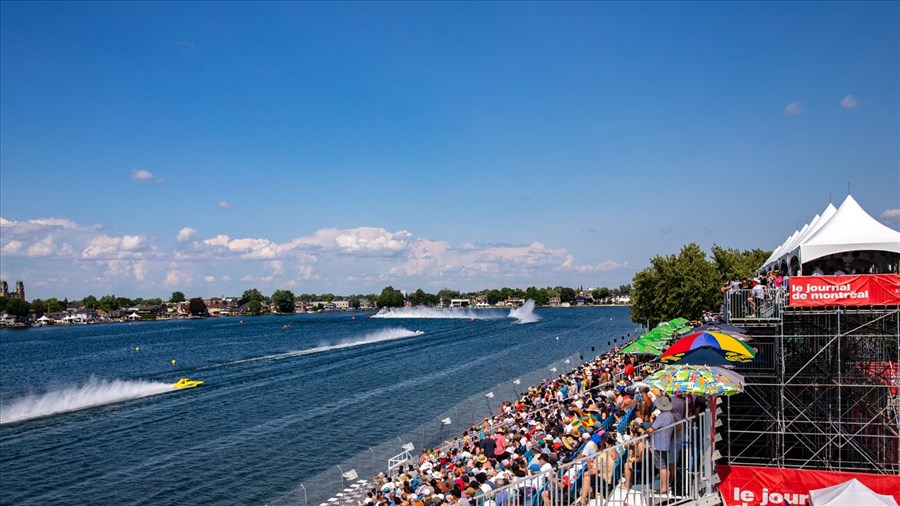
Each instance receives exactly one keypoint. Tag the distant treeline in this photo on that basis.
(682, 285)
(284, 300)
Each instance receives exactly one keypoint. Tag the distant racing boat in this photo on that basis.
(186, 383)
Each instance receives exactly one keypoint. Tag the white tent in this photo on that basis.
(134, 316)
(850, 229)
(813, 229)
(44, 319)
(849, 493)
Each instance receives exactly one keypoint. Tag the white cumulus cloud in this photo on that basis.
(185, 234)
(141, 175)
(107, 247)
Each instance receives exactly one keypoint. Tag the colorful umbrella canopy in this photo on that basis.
(737, 332)
(712, 346)
(642, 348)
(707, 356)
(696, 380)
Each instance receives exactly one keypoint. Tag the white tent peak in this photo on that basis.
(849, 493)
(851, 228)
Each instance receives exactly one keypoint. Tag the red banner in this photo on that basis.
(856, 290)
(765, 486)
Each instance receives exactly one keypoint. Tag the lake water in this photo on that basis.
(87, 418)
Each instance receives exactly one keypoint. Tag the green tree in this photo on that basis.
(418, 297)
(108, 303)
(566, 294)
(734, 264)
(254, 306)
(18, 308)
(90, 302)
(600, 293)
(252, 294)
(52, 305)
(177, 297)
(38, 307)
(390, 297)
(354, 302)
(684, 285)
(197, 307)
(538, 295)
(3, 302)
(284, 301)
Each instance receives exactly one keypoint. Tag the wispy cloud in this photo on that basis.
(890, 215)
(224, 204)
(608, 265)
(367, 255)
(145, 175)
(849, 102)
(793, 109)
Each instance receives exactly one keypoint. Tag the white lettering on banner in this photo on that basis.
(830, 288)
(845, 295)
(748, 498)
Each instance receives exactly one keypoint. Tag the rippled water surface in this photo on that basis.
(87, 418)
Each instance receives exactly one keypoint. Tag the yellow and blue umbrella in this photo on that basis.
(708, 348)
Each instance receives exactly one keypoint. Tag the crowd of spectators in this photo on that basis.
(755, 297)
(553, 423)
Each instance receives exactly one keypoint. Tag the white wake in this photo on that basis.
(524, 314)
(96, 392)
(377, 336)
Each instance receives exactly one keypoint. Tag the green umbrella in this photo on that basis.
(678, 322)
(641, 348)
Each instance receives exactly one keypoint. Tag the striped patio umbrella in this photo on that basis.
(708, 348)
(696, 380)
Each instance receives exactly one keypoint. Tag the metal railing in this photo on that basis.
(745, 303)
(632, 473)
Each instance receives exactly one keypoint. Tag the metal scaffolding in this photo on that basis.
(824, 393)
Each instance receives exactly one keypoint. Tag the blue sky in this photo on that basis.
(342, 147)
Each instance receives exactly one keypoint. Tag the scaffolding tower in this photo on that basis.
(823, 394)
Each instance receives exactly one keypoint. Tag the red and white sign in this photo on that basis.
(856, 290)
(765, 486)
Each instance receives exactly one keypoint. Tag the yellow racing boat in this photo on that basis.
(186, 383)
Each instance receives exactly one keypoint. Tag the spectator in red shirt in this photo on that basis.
(629, 370)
